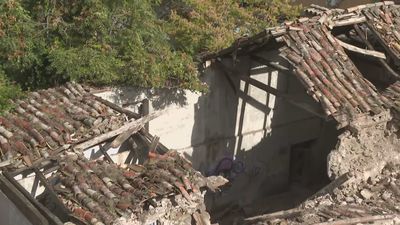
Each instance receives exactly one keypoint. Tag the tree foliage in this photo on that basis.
(207, 25)
(148, 43)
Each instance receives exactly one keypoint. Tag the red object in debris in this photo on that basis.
(81, 213)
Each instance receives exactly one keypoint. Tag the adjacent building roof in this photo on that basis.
(100, 192)
(47, 121)
(320, 62)
(327, 73)
(46, 134)
(384, 21)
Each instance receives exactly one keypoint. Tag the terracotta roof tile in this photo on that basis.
(49, 119)
(99, 191)
(384, 21)
(329, 74)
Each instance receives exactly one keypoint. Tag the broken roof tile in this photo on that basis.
(329, 74)
(97, 191)
(50, 119)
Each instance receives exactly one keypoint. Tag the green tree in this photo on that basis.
(148, 43)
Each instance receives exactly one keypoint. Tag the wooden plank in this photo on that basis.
(276, 215)
(271, 64)
(154, 143)
(117, 107)
(351, 21)
(277, 93)
(366, 52)
(123, 133)
(358, 220)
(286, 97)
(132, 115)
(331, 186)
(53, 195)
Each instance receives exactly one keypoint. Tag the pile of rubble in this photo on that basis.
(365, 169)
(376, 200)
(393, 93)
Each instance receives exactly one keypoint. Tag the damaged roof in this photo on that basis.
(328, 74)
(48, 121)
(100, 192)
(384, 21)
(45, 135)
(320, 62)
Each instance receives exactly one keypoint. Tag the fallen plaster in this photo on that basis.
(366, 149)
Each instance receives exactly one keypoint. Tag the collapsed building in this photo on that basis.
(295, 112)
(68, 156)
(331, 90)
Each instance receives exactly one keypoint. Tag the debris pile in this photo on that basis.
(165, 189)
(365, 148)
(375, 200)
(393, 93)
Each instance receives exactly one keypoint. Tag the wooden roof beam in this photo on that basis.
(277, 93)
(383, 62)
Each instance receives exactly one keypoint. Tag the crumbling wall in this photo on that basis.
(365, 148)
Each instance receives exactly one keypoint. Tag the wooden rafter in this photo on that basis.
(277, 93)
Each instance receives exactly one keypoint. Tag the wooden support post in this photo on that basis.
(146, 135)
(331, 186)
(53, 195)
(117, 108)
(104, 149)
(145, 110)
(355, 49)
(123, 133)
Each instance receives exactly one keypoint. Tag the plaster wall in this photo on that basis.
(233, 120)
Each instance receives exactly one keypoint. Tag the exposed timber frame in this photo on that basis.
(389, 50)
(363, 35)
(273, 91)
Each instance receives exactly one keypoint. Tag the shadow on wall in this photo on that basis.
(160, 98)
(262, 144)
(213, 133)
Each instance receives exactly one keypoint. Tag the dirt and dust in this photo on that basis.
(375, 201)
(366, 149)
(368, 156)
